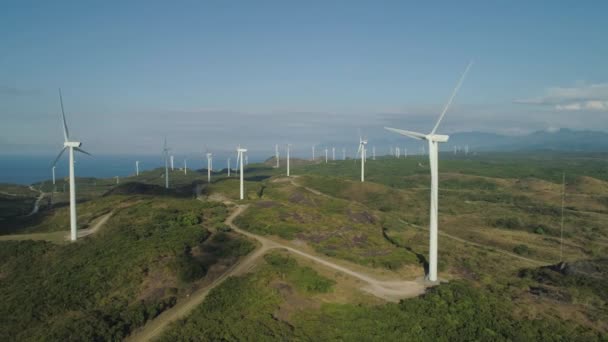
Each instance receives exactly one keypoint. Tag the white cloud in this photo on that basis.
(582, 97)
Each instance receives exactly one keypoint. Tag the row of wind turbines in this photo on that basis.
(432, 138)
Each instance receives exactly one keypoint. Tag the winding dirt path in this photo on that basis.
(388, 290)
(37, 203)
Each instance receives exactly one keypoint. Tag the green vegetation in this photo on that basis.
(242, 307)
(102, 287)
(246, 308)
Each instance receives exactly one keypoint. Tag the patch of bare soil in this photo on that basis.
(292, 301)
(267, 204)
(361, 217)
(158, 282)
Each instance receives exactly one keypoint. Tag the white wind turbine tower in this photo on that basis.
(397, 152)
(363, 152)
(333, 153)
(137, 167)
(117, 179)
(209, 166)
(326, 155)
(433, 141)
(53, 174)
(71, 146)
(239, 161)
(185, 166)
(288, 146)
(276, 154)
(228, 167)
(313, 152)
(166, 153)
(171, 163)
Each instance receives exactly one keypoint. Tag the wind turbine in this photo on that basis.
(326, 155)
(71, 146)
(433, 141)
(288, 146)
(333, 153)
(228, 167)
(276, 154)
(166, 152)
(313, 152)
(137, 167)
(362, 151)
(185, 166)
(239, 161)
(117, 179)
(397, 152)
(209, 166)
(53, 174)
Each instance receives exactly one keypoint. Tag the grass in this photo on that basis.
(101, 287)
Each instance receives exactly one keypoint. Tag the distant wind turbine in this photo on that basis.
(137, 168)
(185, 166)
(53, 174)
(71, 146)
(172, 163)
(239, 162)
(362, 150)
(433, 141)
(209, 166)
(228, 167)
(333, 153)
(397, 152)
(276, 154)
(117, 179)
(313, 152)
(326, 155)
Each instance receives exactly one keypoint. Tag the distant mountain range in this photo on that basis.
(561, 140)
(566, 140)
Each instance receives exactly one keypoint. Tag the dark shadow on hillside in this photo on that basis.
(136, 188)
(258, 178)
(421, 258)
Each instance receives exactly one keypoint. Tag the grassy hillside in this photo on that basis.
(149, 254)
(249, 307)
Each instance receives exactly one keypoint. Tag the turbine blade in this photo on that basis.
(82, 151)
(445, 109)
(58, 156)
(66, 133)
(410, 134)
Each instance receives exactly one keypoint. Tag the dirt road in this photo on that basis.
(387, 290)
(37, 203)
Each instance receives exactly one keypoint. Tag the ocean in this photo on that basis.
(33, 169)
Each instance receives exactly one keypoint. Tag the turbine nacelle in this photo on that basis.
(72, 144)
(440, 138)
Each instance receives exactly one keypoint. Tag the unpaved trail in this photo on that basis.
(387, 290)
(37, 203)
(95, 227)
(155, 327)
(61, 236)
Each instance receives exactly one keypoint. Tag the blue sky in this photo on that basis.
(218, 73)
